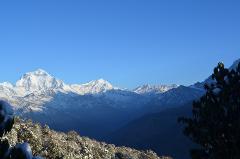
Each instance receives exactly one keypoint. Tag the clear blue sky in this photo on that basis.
(128, 42)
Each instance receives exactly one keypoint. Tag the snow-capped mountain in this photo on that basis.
(38, 91)
(35, 89)
(39, 82)
(235, 64)
(47, 99)
(154, 89)
(92, 87)
(209, 80)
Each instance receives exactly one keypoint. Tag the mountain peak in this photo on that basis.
(93, 87)
(6, 84)
(99, 84)
(101, 81)
(235, 64)
(146, 88)
(38, 80)
(39, 72)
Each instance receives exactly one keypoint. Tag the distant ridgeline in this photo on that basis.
(99, 110)
(94, 109)
(160, 131)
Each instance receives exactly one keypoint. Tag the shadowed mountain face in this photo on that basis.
(93, 109)
(89, 121)
(158, 131)
(96, 116)
(98, 108)
(173, 98)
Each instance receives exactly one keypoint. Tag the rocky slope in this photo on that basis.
(56, 145)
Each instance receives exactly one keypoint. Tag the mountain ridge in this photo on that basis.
(160, 130)
(89, 107)
(38, 87)
(93, 109)
(41, 79)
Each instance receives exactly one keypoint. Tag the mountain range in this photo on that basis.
(160, 130)
(35, 89)
(96, 109)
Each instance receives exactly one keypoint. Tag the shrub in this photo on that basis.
(20, 151)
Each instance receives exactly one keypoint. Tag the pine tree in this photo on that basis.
(215, 121)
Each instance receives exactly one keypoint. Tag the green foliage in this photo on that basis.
(215, 121)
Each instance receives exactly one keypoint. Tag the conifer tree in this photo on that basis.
(215, 121)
